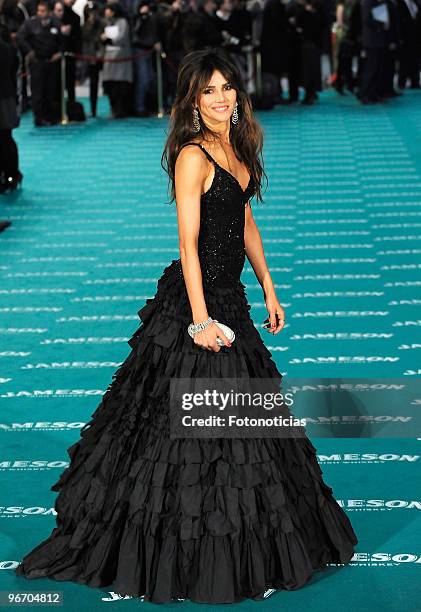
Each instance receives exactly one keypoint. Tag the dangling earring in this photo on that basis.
(234, 116)
(196, 122)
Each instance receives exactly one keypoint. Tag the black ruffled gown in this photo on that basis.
(210, 520)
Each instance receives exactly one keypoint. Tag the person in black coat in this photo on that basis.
(171, 32)
(202, 29)
(308, 23)
(373, 41)
(274, 44)
(39, 38)
(236, 20)
(72, 42)
(10, 175)
(410, 50)
(13, 14)
(393, 43)
(294, 51)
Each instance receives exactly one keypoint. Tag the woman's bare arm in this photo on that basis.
(255, 255)
(190, 175)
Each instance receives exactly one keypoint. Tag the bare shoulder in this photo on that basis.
(191, 163)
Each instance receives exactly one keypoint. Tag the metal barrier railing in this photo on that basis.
(64, 117)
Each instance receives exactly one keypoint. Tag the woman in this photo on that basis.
(118, 72)
(211, 520)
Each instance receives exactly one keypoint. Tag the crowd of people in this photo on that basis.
(374, 47)
(383, 37)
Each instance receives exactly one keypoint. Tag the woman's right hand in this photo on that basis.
(207, 338)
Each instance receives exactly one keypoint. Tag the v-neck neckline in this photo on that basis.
(227, 171)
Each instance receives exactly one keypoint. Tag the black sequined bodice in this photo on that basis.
(221, 237)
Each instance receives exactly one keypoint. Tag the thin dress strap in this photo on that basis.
(208, 155)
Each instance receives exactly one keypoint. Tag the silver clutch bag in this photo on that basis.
(229, 333)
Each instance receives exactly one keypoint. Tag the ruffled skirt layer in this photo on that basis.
(210, 520)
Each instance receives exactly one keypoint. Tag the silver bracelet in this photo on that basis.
(195, 328)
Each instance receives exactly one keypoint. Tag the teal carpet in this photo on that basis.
(90, 236)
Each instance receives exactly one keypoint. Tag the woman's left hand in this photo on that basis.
(274, 308)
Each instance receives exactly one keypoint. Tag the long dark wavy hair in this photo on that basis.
(246, 137)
